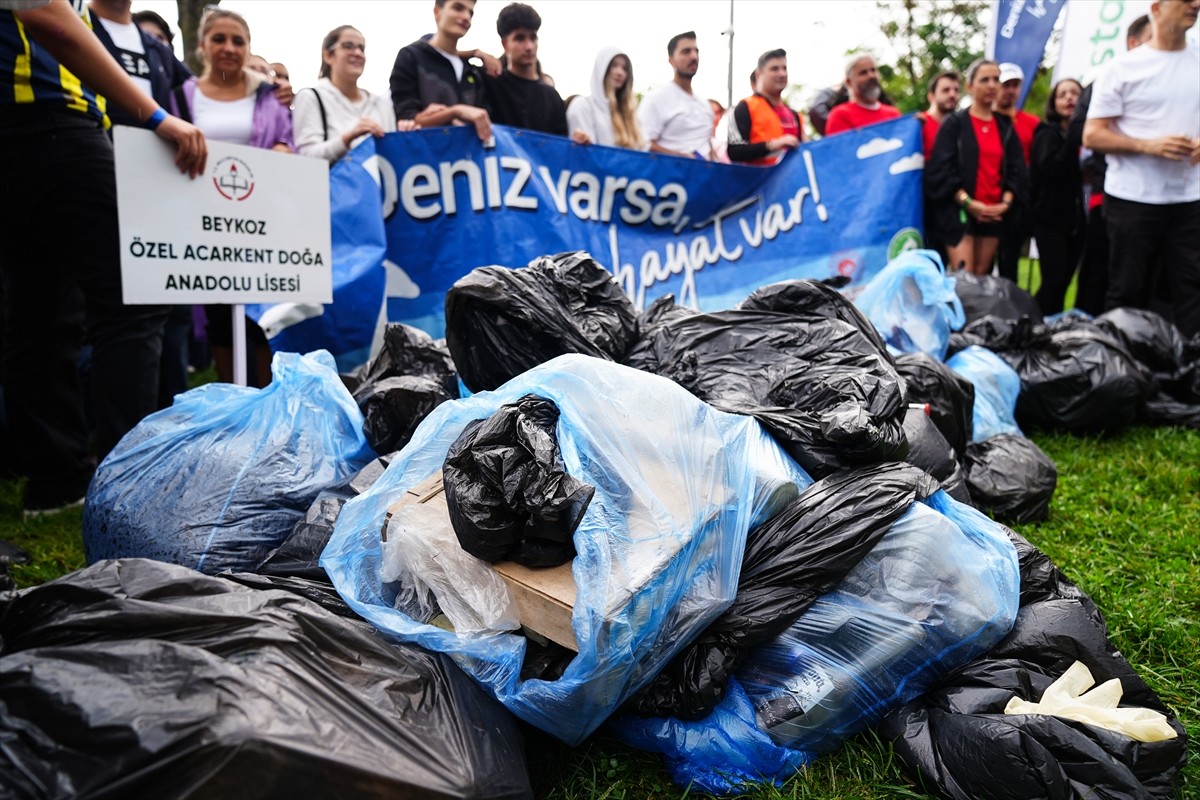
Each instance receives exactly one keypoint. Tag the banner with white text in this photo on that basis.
(708, 233)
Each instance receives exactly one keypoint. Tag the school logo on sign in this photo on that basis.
(233, 179)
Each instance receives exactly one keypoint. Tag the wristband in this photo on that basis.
(156, 119)
(966, 200)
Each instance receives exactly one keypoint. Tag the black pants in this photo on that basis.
(1059, 252)
(1093, 269)
(1149, 244)
(58, 245)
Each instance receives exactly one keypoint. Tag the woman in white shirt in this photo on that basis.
(335, 115)
(608, 115)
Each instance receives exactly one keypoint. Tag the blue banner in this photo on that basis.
(708, 233)
(1020, 30)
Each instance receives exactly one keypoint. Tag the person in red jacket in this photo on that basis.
(763, 128)
(865, 107)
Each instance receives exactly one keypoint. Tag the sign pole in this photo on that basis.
(239, 344)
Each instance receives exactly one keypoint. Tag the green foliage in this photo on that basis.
(1124, 525)
(930, 37)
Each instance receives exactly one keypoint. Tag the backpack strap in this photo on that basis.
(321, 108)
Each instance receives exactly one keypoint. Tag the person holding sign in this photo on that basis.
(59, 241)
(335, 115)
(231, 103)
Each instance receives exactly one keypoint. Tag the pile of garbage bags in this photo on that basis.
(769, 519)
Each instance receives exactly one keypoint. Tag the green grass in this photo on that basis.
(1124, 525)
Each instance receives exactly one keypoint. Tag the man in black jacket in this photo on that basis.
(519, 97)
(433, 84)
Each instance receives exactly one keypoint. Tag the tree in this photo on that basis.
(929, 37)
(190, 13)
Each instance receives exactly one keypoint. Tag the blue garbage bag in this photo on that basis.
(939, 589)
(221, 477)
(678, 486)
(913, 305)
(997, 386)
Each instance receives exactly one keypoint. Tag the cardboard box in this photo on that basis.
(545, 597)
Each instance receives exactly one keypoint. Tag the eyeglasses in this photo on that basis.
(362, 48)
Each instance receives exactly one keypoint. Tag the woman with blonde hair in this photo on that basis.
(609, 114)
(336, 114)
(231, 103)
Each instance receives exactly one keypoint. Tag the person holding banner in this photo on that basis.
(234, 104)
(976, 172)
(763, 128)
(335, 115)
(59, 242)
(1057, 207)
(608, 115)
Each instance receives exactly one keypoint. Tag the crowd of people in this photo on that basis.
(1127, 213)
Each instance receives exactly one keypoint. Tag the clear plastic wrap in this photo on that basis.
(678, 486)
(913, 305)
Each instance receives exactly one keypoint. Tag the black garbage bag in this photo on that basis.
(824, 387)
(792, 559)
(411, 376)
(300, 553)
(500, 322)
(1075, 377)
(816, 300)
(992, 296)
(928, 450)
(1011, 478)
(508, 492)
(950, 396)
(956, 738)
(1173, 361)
(140, 679)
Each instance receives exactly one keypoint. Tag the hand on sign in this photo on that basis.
(191, 151)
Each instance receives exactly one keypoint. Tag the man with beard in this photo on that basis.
(943, 97)
(763, 128)
(518, 96)
(674, 120)
(864, 108)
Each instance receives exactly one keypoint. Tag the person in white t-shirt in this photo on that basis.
(1145, 116)
(335, 115)
(673, 120)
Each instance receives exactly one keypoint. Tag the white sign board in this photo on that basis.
(1094, 34)
(254, 228)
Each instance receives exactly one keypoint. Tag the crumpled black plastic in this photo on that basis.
(993, 296)
(135, 678)
(928, 450)
(411, 376)
(792, 559)
(300, 554)
(501, 322)
(508, 492)
(1075, 377)
(797, 356)
(1174, 363)
(950, 396)
(956, 739)
(1010, 477)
